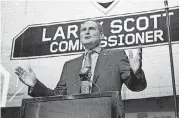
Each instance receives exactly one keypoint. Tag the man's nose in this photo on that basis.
(87, 31)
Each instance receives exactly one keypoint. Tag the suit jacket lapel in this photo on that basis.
(100, 64)
(78, 65)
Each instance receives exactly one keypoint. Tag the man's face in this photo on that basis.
(90, 35)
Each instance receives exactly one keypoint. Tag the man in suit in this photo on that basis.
(109, 69)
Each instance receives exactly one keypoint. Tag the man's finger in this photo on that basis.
(20, 77)
(18, 70)
(130, 54)
(140, 66)
(21, 70)
(17, 73)
(30, 69)
(139, 52)
(22, 80)
(19, 67)
(140, 49)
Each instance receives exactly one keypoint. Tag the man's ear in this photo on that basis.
(102, 36)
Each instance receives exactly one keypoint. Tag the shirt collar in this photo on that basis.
(96, 49)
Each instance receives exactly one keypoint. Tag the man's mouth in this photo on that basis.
(87, 37)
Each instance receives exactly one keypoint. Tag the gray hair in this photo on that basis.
(100, 27)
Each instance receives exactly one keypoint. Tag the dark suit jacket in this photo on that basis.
(111, 71)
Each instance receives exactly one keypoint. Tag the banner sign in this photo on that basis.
(121, 31)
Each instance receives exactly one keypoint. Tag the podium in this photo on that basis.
(95, 105)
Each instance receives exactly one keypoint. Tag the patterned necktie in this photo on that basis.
(86, 71)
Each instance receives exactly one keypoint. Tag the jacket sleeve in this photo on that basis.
(40, 90)
(133, 82)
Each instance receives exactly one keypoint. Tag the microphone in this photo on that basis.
(85, 76)
(69, 86)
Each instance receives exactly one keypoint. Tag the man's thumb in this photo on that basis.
(30, 69)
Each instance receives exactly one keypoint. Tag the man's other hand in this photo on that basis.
(136, 62)
(27, 77)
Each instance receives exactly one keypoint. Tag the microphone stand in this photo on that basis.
(171, 55)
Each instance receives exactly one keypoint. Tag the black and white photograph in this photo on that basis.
(89, 59)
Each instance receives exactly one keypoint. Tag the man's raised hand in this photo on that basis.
(27, 77)
(136, 62)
